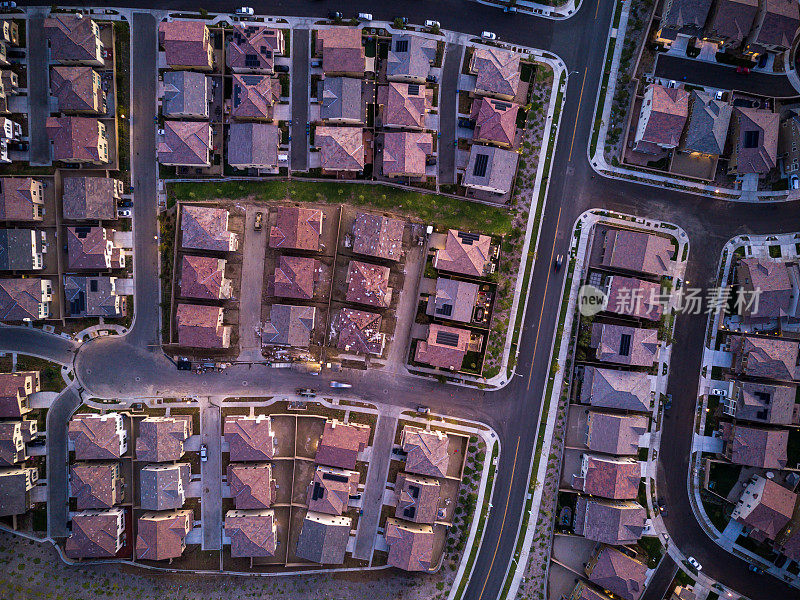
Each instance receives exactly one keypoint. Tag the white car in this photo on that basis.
(432, 24)
(8, 5)
(693, 562)
(365, 16)
(340, 384)
(794, 182)
(245, 10)
(488, 35)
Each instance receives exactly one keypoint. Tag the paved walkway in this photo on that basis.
(253, 252)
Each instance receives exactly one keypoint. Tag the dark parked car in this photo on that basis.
(281, 68)
(466, 123)
(431, 79)
(743, 70)
(334, 15)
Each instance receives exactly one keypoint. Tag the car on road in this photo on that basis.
(365, 16)
(432, 24)
(203, 453)
(662, 507)
(423, 410)
(335, 15)
(756, 570)
(558, 262)
(403, 20)
(668, 402)
(488, 35)
(340, 384)
(794, 182)
(692, 563)
(743, 70)
(306, 392)
(245, 10)
(259, 222)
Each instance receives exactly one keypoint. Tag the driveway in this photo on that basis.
(211, 476)
(38, 89)
(447, 112)
(253, 252)
(300, 96)
(57, 456)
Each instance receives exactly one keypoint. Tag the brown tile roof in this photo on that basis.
(95, 485)
(14, 391)
(253, 533)
(295, 277)
(454, 300)
(405, 152)
(410, 545)
(497, 71)
(71, 37)
(445, 347)
(616, 478)
(74, 88)
(583, 592)
(637, 251)
(405, 104)
(625, 345)
(465, 253)
(249, 438)
(205, 228)
(15, 487)
(203, 277)
(779, 24)
(341, 148)
(619, 574)
(341, 443)
(634, 298)
(417, 498)
(359, 332)
(161, 535)
(368, 284)
(765, 506)
(323, 538)
(90, 198)
(162, 486)
(615, 434)
(770, 358)
(199, 327)
(95, 534)
(161, 438)
(732, 20)
(19, 198)
(185, 143)
(330, 490)
(609, 521)
(757, 143)
(253, 144)
(767, 403)
(668, 115)
(684, 16)
(185, 43)
(495, 120)
(289, 325)
(252, 485)
(296, 228)
(611, 388)
(96, 437)
(426, 451)
(378, 235)
(12, 447)
(251, 43)
(20, 299)
(89, 248)
(341, 50)
(774, 280)
(254, 96)
(75, 138)
(755, 447)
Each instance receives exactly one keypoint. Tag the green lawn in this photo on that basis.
(431, 208)
(49, 373)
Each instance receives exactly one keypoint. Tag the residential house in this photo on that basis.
(454, 300)
(98, 437)
(12, 443)
(73, 39)
(612, 433)
(410, 545)
(296, 228)
(90, 296)
(162, 535)
(186, 44)
(15, 490)
(497, 72)
(342, 51)
(78, 140)
(359, 332)
(330, 490)
(254, 96)
(252, 485)
(341, 148)
(608, 477)
(615, 522)
(427, 451)
(769, 358)
(583, 591)
(97, 485)
(776, 24)
(25, 299)
(22, 249)
(662, 117)
(731, 21)
(294, 277)
(368, 284)
(15, 391)
(289, 325)
(495, 121)
(788, 141)
(754, 446)
(634, 298)
(709, 119)
(93, 248)
(253, 533)
(754, 139)
(162, 486)
(201, 327)
(465, 253)
(96, 534)
(625, 345)
(490, 169)
(187, 95)
(445, 347)
(341, 444)
(764, 508)
(249, 438)
(637, 251)
(617, 572)
(621, 390)
(378, 235)
(404, 104)
(777, 284)
(762, 402)
(185, 144)
(410, 58)
(682, 18)
(252, 48)
(161, 439)
(341, 100)
(21, 199)
(323, 538)
(253, 146)
(417, 498)
(205, 228)
(203, 277)
(405, 153)
(78, 90)
(91, 198)
(9, 32)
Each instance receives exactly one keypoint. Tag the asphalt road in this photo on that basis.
(447, 113)
(300, 97)
(58, 417)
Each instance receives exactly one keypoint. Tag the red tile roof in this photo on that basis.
(497, 70)
(254, 96)
(249, 438)
(619, 574)
(378, 235)
(185, 43)
(161, 438)
(252, 533)
(445, 347)
(616, 478)
(410, 545)
(294, 277)
(359, 332)
(75, 138)
(161, 535)
(495, 120)
(252, 485)
(341, 148)
(206, 228)
(404, 104)
(368, 284)
(95, 534)
(341, 443)
(199, 327)
(95, 485)
(202, 277)
(464, 253)
(341, 50)
(19, 197)
(249, 40)
(417, 498)
(405, 153)
(426, 451)
(296, 228)
(330, 490)
(668, 115)
(185, 143)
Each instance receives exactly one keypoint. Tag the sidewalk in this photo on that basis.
(544, 11)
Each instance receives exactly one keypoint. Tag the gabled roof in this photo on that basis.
(637, 251)
(634, 298)
(15, 488)
(771, 358)
(405, 152)
(289, 325)
(18, 248)
(12, 448)
(378, 235)
(71, 37)
(252, 485)
(161, 535)
(776, 280)
(20, 299)
(444, 347)
(616, 478)
(341, 443)
(162, 486)
(93, 297)
(625, 345)
(465, 253)
(495, 120)
(767, 403)
(296, 228)
(249, 438)
(757, 144)
(202, 277)
(90, 198)
(253, 47)
(733, 19)
(609, 521)
(95, 485)
(161, 438)
(198, 326)
(623, 390)
(426, 451)
(253, 144)
(294, 277)
(368, 284)
(454, 300)
(205, 228)
(668, 114)
(341, 50)
(756, 447)
(185, 93)
(74, 138)
(765, 506)
(254, 96)
(88, 247)
(18, 200)
(94, 534)
(359, 331)
(252, 532)
(417, 498)
(13, 392)
(491, 167)
(615, 433)
(497, 70)
(330, 490)
(341, 148)
(779, 24)
(323, 538)
(410, 56)
(410, 545)
(340, 98)
(95, 436)
(74, 88)
(619, 574)
(185, 42)
(708, 124)
(684, 16)
(405, 104)
(185, 143)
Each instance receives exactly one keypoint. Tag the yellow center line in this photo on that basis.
(541, 313)
(574, 131)
(597, 10)
(503, 522)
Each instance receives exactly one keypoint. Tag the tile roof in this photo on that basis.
(708, 124)
(253, 144)
(765, 506)
(426, 451)
(410, 545)
(94, 297)
(20, 299)
(161, 438)
(186, 43)
(71, 37)
(323, 538)
(14, 391)
(161, 535)
(340, 98)
(90, 198)
(95, 534)
(583, 592)
(614, 433)
(296, 228)
(289, 325)
(295, 277)
(96, 437)
(19, 197)
(330, 490)
(253, 47)
(368, 284)
(756, 447)
(75, 138)
(417, 498)
(623, 390)
(90, 248)
(162, 486)
(732, 19)
(757, 143)
(19, 247)
(668, 113)
(634, 298)
(454, 300)
(342, 51)
(465, 253)
(254, 96)
(609, 521)
(404, 104)
(625, 345)
(405, 153)
(341, 148)
(199, 326)
(203, 277)
(445, 347)
(410, 56)
(767, 403)
(359, 331)
(206, 228)
(185, 93)
(378, 235)
(185, 143)
(253, 533)
(637, 251)
(495, 172)
(252, 485)
(619, 574)
(95, 485)
(15, 490)
(497, 71)
(616, 478)
(495, 120)
(779, 25)
(249, 438)
(74, 88)
(684, 16)
(341, 443)
(771, 358)
(777, 282)
(12, 446)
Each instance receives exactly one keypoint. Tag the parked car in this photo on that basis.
(259, 222)
(756, 570)
(340, 384)
(8, 5)
(423, 410)
(403, 20)
(743, 70)
(125, 213)
(335, 15)
(692, 562)
(794, 182)
(365, 16)
(245, 10)
(662, 507)
(107, 53)
(719, 94)
(432, 24)
(431, 79)
(203, 453)
(125, 203)
(281, 68)
(668, 403)
(431, 160)
(488, 35)
(466, 123)
(306, 393)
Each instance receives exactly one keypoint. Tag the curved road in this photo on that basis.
(109, 367)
